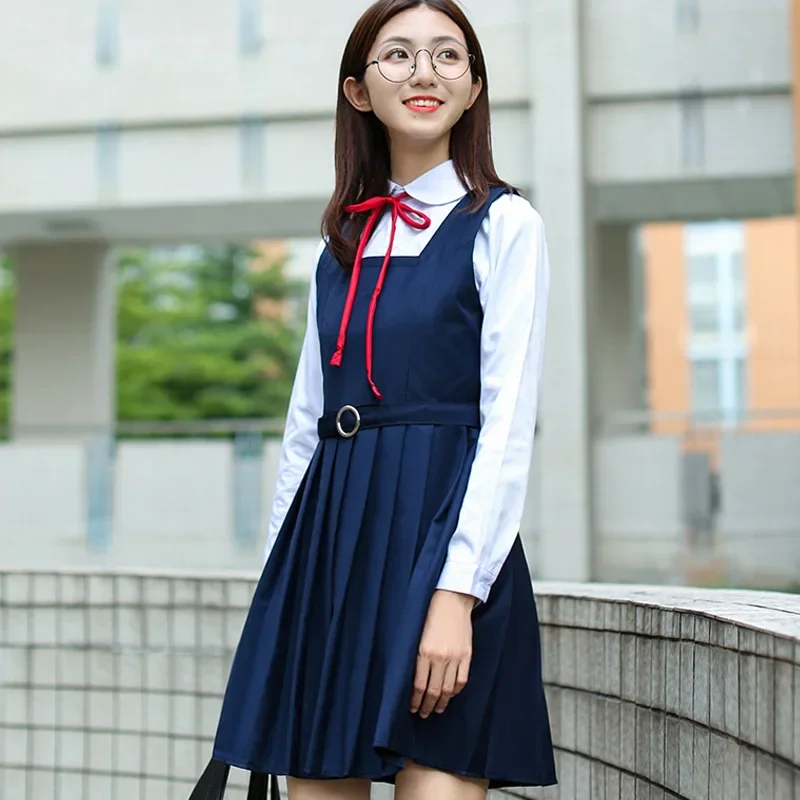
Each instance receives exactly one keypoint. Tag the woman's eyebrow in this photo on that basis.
(436, 40)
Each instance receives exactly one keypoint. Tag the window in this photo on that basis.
(704, 298)
(739, 321)
(719, 390)
(716, 302)
(705, 389)
(704, 320)
(687, 15)
(252, 153)
(107, 144)
(704, 270)
(737, 269)
(250, 34)
(740, 398)
(738, 295)
(692, 132)
(107, 32)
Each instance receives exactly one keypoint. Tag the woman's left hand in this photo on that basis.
(445, 652)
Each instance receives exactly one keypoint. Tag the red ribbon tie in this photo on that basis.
(375, 206)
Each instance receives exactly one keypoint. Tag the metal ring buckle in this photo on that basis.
(343, 433)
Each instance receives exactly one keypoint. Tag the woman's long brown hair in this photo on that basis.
(362, 146)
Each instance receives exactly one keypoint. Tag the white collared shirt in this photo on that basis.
(512, 276)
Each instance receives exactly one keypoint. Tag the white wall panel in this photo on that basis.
(629, 140)
(637, 505)
(47, 172)
(168, 490)
(749, 136)
(41, 498)
(299, 158)
(47, 63)
(759, 527)
(646, 141)
(636, 47)
(179, 165)
(513, 145)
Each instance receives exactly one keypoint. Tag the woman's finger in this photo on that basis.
(448, 687)
(434, 691)
(462, 675)
(420, 683)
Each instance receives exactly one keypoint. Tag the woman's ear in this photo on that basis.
(477, 88)
(357, 94)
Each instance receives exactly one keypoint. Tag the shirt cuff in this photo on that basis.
(466, 577)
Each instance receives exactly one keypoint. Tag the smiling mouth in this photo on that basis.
(423, 103)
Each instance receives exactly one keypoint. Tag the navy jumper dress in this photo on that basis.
(321, 683)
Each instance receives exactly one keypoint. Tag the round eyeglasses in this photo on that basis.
(398, 63)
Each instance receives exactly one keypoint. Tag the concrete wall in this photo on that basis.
(759, 528)
(173, 506)
(110, 686)
(162, 54)
(638, 506)
(163, 122)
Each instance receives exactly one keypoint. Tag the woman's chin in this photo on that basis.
(419, 133)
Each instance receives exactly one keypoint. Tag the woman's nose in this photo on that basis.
(423, 67)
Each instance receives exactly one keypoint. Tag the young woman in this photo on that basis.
(393, 634)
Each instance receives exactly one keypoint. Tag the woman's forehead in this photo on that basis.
(420, 26)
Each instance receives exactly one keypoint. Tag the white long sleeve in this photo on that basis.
(300, 437)
(514, 297)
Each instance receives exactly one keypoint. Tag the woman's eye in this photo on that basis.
(396, 54)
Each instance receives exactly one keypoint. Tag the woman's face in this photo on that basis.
(417, 104)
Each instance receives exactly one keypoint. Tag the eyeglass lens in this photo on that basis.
(397, 63)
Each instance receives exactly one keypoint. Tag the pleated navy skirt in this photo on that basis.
(322, 679)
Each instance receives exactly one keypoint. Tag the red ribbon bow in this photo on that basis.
(376, 205)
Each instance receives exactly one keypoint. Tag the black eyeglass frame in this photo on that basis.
(470, 65)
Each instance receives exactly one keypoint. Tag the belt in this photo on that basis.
(349, 420)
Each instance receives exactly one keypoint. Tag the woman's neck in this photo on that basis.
(409, 162)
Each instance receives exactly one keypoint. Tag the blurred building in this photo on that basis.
(722, 322)
(163, 123)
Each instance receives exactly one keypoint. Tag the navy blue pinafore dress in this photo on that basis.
(321, 683)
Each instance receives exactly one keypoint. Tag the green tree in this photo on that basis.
(192, 343)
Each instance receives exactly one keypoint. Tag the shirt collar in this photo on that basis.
(436, 187)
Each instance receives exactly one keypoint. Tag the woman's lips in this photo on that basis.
(423, 105)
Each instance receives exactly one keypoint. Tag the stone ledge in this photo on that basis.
(672, 692)
(654, 692)
(702, 615)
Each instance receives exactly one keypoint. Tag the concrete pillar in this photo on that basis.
(561, 198)
(64, 341)
(618, 377)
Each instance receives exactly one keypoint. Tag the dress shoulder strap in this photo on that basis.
(468, 220)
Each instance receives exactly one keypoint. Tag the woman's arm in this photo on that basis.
(512, 271)
(300, 437)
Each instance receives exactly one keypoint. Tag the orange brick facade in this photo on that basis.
(772, 278)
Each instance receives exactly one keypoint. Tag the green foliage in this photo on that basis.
(191, 343)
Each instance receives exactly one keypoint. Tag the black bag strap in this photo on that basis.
(260, 784)
(214, 780)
